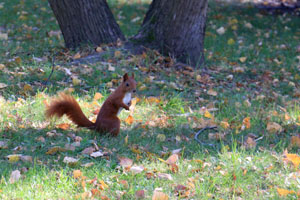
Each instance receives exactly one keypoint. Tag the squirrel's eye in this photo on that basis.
(127, 84)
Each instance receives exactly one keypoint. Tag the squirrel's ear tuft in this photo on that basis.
(132, 75)
(125, 77)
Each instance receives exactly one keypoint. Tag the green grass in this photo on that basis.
(264, 87)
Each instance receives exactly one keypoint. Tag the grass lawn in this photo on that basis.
(250, 92)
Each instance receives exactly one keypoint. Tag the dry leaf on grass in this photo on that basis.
(284, 192)
(136, 169)
(70, 160)
(77, 173)
(15, 176)
(172, 159)
(273, 127)
(158, 195)
(125, 162)
(140, 194)
(164, 176)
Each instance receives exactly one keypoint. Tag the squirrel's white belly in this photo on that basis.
(126, 100)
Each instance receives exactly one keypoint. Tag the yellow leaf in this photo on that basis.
(207, 114)
(294, 158)
(198, 78)
(158, 195)
(284, 192)
(129, 120)
(246, 122)
(54, 150)
(13, 158)
(77, 173)
(230, 41)
(98, 96)
(27, 88)
(77, 56)
(224, 124)
(2, 66)
(273, 127)
(76, 81)
(243, 59)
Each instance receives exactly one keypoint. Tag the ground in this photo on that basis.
(249, 90)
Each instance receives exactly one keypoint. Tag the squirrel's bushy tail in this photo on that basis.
(66, 104)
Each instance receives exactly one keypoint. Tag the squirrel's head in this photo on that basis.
(129, 84)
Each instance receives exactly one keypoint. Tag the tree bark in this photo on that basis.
(85, 21)
(176, 27)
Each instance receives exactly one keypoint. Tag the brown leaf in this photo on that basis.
(140, 194)
(125, 162)
(172, 159)
(295, 141)
(273, 127)
(77, 56)
(88, 150)
(95, 192)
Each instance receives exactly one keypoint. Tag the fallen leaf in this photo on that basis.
(75, 81)
(64, 126)
(95, 192)
(77, 173)
(69, 147)
(136, 169)
(55, 150)
(140, 194)
(111, 68)
(129, 120)
(246, 122)
(161, 137)
(273, 127)
(98, 96)
(172, 159)
(88, 164)
(238, 70)
(26, 158)
(221, 30)
(158, 195)
(14, 176)
(230, 41)
(3, 85)
(27, 88)
(14, 158)
(117, 54)
(99, 49)
(125, 162)
(224, 124)
(3, 36)
(250, 143)
(70, 160)
(242, 59)
(207, 114)
(88, 150)
(40, 139)
(284, 192)
(97, 154)
(212, 92)
(164, 176)
(77, 56)
(295, 141)
(293, 158)
(152, 100)
(3, 145)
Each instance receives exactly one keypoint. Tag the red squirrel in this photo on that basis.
(107, 120)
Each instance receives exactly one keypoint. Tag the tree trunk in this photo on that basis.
(85, 21)
(176, 27)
